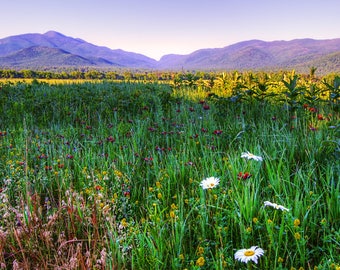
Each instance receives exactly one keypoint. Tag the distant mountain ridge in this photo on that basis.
(55, 50)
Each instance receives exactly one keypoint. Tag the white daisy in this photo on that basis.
(250, 254)
(210, 182)
(276, 206)
(249, 155)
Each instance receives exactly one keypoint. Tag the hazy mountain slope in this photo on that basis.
(22, 51)
(37, 56)
(74, 46)
(254, 54)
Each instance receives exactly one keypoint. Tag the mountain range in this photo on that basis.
(55, 50)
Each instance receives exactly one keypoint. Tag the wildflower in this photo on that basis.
(200, 250)
(200, 261)
(243, 176)
(124, 223)
(172, 214)
(249, 155)
(173, 206)
(280, 260)
(297, 236)
(276, 206)
(296, 222)
(206, 107)
(320, 117)
(217, 132)
(251, 254)
(323, 221)
(158, 184)
(210, 182)
(118, 173)
(313, 110)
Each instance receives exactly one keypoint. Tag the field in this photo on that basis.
(174, 175)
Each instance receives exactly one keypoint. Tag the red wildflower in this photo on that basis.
(206, 107)
(148, 159)
(320, 117)
(243, 176)
(48, 168)
(218, 132)
(195, 136)
(313, 110)
(110, 139)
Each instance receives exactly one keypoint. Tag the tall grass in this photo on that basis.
(107, 176)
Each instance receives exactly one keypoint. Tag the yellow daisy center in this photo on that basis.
(249, 253)
(211, 184)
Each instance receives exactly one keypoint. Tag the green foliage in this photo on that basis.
(107, 175)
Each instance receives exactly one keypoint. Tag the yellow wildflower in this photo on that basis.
(200, 250)
(297, 236)
(173, 206)
(296, 222)
(158, 184)
(200, 261)
(172, 214)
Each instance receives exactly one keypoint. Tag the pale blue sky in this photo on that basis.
(158, 27)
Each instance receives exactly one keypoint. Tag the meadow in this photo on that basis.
(183, 174)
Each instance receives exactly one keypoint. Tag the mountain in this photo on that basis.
(55, 50)
(257, 54)
(39, 57)
(78, 47)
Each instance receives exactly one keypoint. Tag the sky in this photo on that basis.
(158, 27)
